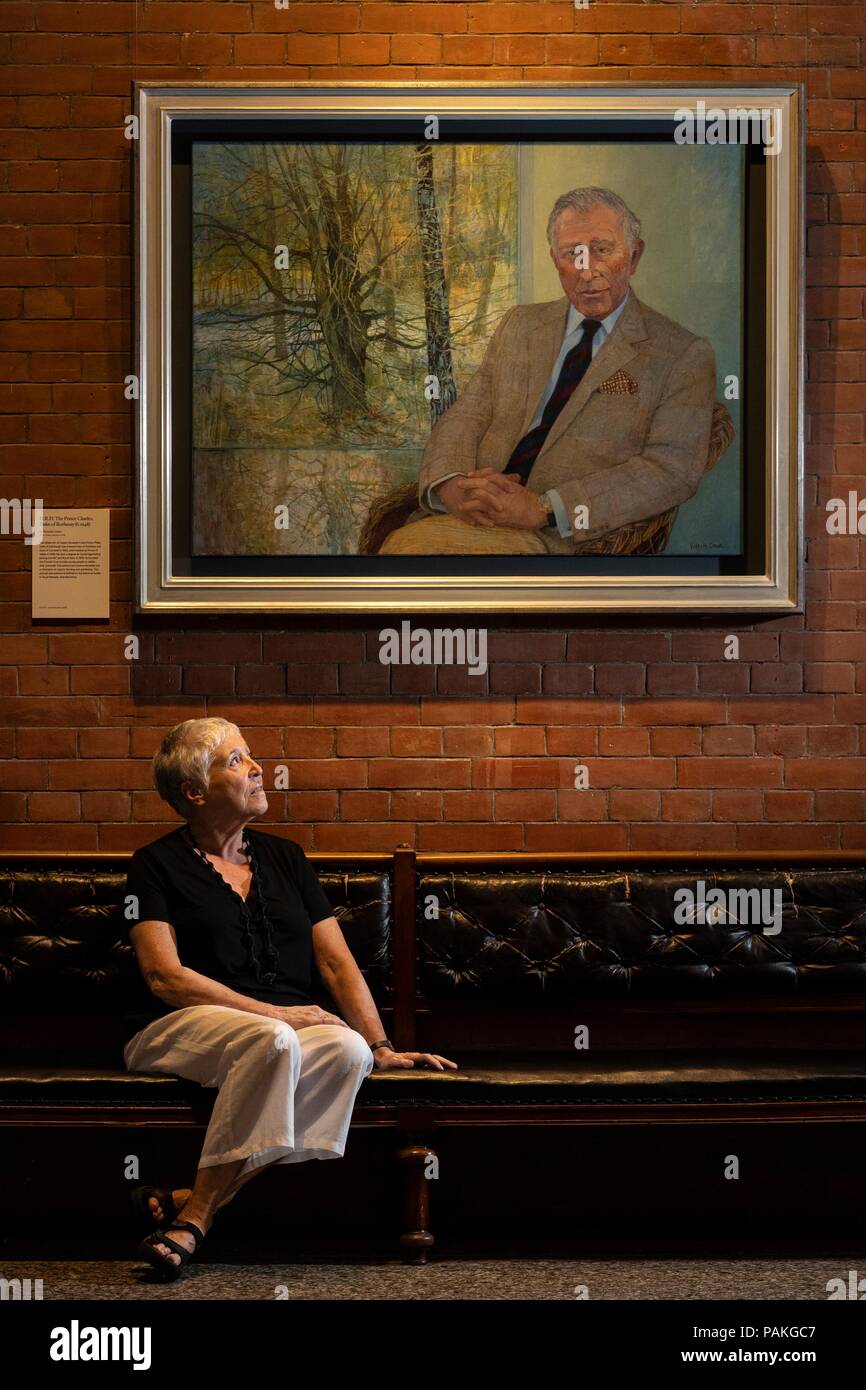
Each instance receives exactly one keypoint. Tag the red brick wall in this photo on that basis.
(684, 749)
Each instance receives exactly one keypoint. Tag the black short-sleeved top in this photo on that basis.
(173, 884)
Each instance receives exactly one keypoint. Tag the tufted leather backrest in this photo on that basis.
(68, 972)
(489, 951)
(531, 937)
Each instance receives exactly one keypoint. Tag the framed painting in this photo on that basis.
(433, 348)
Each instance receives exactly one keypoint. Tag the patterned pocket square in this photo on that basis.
(620, 384)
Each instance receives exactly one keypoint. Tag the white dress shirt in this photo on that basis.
(573, 335)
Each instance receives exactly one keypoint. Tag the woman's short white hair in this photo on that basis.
(185, 755)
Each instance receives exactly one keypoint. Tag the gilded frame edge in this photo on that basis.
(778, 591)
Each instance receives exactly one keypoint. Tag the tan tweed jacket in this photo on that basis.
(630, 442)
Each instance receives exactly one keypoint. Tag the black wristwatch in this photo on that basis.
(386, 1042)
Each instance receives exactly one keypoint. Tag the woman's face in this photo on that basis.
(236, 781)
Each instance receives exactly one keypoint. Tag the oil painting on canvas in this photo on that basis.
(466, 348)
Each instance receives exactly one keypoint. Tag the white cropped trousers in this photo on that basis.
(285, 1094)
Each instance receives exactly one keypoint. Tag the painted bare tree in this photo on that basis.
(437, 310)
(312, 333)
(313, 318)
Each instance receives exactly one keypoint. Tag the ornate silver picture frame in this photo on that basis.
(535, 348)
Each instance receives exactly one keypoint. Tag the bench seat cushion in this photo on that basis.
(486, 1079)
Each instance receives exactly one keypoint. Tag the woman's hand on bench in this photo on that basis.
(386, 1059)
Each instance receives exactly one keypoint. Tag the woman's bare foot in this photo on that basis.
(179, 1196)
(184, 1238)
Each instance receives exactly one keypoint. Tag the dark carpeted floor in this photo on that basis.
(746, 1278)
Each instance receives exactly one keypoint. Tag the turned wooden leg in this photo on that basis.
(416, 1239)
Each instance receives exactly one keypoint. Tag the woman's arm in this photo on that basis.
(155, 946)
(344, 981)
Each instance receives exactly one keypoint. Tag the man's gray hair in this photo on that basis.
(583, 199)
(185, 755)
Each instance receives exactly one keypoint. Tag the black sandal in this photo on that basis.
(161, 1263)
(139, 1195)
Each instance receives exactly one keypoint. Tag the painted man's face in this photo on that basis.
(609, 263)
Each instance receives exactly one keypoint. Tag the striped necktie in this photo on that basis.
(572, 371)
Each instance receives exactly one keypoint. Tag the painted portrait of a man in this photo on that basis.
(380, 369)
(589, 421)
(523, 351)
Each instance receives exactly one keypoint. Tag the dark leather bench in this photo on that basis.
(496, 961)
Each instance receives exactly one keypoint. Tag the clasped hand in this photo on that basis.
(488, 498)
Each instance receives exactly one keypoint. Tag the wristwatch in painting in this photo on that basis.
(545, 503)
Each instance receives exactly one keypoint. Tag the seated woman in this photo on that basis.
(227, 923)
